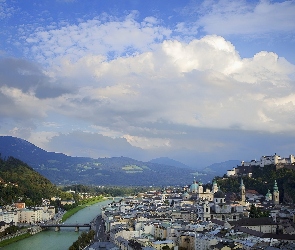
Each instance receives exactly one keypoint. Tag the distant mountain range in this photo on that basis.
(169, 162)
(61, 169)
(219, 169)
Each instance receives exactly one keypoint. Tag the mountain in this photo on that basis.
(20, 182)
(121, 171)
(219, 169)
(169, 162)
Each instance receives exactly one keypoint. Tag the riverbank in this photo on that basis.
(71, 212)
(14, 239)
(19, 235)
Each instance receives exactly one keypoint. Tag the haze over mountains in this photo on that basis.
(62, 169)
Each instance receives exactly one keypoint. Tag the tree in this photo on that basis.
(257, 212)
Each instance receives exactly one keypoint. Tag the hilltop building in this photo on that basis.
(246, 167)
(269, 160)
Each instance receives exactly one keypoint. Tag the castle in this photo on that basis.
(246, 167)
(268, 160)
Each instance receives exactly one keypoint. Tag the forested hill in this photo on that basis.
(262, 180)
(19, 182)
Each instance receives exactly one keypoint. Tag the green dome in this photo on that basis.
(194, 187)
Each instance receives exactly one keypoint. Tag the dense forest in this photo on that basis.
(19, 182)
(262, 180)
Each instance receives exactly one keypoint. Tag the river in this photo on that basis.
(62, 240)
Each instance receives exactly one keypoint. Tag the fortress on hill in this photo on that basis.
(246, 167)
(270, 160)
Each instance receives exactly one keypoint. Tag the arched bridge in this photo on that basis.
(58, 226)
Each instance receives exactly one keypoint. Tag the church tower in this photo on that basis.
(163, 196)
(268, 196)
(200, 188)
(243, 192)
(206, 209)
(276, 194)
(214, 187)
(194, 187)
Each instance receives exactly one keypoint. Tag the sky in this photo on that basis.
(197, 81)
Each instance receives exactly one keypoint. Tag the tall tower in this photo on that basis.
(194, 187)
(163, 196)
(206, 209)
(214, 187)
(268, 196)
(200, 188)
(276, 194)
(243, 191)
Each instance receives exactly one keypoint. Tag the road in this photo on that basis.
(99, 229)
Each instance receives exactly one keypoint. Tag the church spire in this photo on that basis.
(275, 187)
(214, 187)
(276, 193)
(243, 191)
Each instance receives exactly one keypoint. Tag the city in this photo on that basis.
(194, 216)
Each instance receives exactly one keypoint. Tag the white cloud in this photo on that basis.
(97, 37)
(136, 87)
(94, 145)
(41, 138)
(200, 84)
(24, 105)
(148, 143)
(6, 11)
(177, 85)
(225, 17)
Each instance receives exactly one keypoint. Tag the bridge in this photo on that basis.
(58, 226)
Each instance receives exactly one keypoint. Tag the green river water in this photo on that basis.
(62, 240)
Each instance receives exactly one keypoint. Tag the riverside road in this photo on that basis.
(99, 229)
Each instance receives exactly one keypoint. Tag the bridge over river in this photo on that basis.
(58, 226)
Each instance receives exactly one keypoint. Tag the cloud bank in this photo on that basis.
(112, 86)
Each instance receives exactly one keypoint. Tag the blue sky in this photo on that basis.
(197, 81)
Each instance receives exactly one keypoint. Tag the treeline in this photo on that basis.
(83, 240)
(10, 230)
(262, 180)
(107, 190)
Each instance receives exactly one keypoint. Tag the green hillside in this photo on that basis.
(263, 179)
(19, 182)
